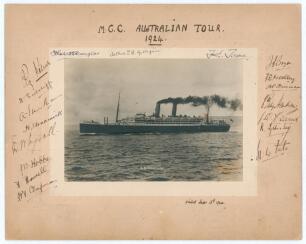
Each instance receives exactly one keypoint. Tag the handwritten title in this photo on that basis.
(156, 34)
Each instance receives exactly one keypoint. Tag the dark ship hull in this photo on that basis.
(96, 128)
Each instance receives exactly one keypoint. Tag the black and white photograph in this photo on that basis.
(136, 121)
(153, 120)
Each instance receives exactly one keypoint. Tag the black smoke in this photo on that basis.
(208, 101)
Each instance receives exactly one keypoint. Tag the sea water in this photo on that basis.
(154, 157)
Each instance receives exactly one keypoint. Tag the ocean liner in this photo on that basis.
(155, 123)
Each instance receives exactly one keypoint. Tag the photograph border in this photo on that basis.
(247, 187)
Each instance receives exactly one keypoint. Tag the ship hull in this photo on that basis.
(138, 129)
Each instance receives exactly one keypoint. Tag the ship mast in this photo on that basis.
(207, 115)
(209, 103)
(117, 113)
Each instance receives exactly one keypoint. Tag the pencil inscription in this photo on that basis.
(38, 121)
(279, 111)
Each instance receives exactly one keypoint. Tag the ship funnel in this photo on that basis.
(174, 108)
(157, 110)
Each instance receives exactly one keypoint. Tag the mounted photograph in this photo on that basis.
(153, 120)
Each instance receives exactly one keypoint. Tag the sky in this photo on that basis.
(92, 86)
